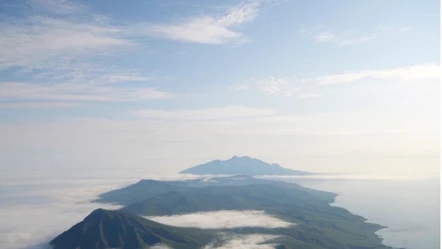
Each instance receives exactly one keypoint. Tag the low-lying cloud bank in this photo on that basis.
(339, 177)
(253, 241)
(160, 246)
(34, 212)
(226, 219)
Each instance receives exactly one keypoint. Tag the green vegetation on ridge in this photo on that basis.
(318, 225)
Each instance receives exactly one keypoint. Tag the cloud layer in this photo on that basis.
(34, 211)
(254, 241)
(223, 219)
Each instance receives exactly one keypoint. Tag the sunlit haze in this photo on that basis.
(130, 85)
(340, 96)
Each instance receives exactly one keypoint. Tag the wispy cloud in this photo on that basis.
(36, 105)
(44, 37)
(76, 92)
(342, 39)
(351, 36)
(53, 47)
(406, 74)
(223, 219)
(38, 40)
(208, 29)
(291, 86)
(276, 86)
(55, 43)
(270, 85)
(228, 112)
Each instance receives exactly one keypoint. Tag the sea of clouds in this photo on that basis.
(227, 219)
(34, 210)
(37, 206)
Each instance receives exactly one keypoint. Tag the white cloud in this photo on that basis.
(76, 92)
(54, 45)
(276, 86)
(66, 81)
(160, 246)
(43, 208)
(253, 241)
(342, 39)
(208, 29)
(35, 105)
(223, 219)
(35, 41)
(405, 74)
(41, 38)
(228, 112)
(271, 85)
(289, 87)
(352, 36)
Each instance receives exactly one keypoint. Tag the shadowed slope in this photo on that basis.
(103, 229)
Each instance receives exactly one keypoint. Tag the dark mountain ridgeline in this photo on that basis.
(104, 229)
(146, 189)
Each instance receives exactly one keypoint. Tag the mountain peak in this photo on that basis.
(103, 229)
(241, 165)
(100, 213)
(240, 158)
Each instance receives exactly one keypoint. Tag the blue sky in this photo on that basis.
(174, 83)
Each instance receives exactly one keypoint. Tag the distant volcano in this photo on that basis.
(241, 166)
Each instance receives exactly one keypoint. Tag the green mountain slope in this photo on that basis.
(136, 192)
(104, 229)
(319, 225)
(211, 198)
(145, 189)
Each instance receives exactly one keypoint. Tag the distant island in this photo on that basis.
(241, 166)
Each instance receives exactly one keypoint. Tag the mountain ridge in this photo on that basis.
(103, 229)
(243, 165)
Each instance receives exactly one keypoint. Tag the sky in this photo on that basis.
(326, 86)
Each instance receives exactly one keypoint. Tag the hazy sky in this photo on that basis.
(326, 86)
